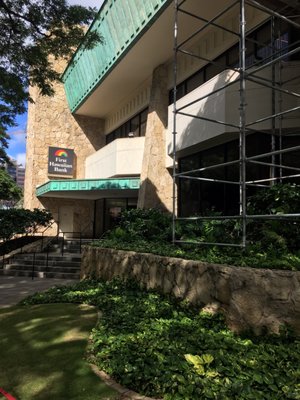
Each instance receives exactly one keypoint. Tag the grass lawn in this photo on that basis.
(42, 353)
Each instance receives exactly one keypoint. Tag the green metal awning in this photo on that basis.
(90, 189)
(121, 23)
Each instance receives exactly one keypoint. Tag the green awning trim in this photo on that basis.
(68, 185)
(120, 23)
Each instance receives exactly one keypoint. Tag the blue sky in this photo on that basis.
(17, 142)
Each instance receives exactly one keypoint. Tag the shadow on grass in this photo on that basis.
(42, 353)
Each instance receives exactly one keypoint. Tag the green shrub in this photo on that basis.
(209, 230)
(139, 224)
(271, 243)
(276, 199)
(22, 221)
(280, 235)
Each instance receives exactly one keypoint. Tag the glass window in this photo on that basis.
(291, 159)
(110, 137)
(180, 92)
(215, 69)
(117, 133)
(211, 157)
(294, 36)
(125, 129)
(263, 48)
(232, 154)
(200, 196)
(195, 81)
(112, 212)
(233, 56)
(255, 52)
(144, 115)
(136, 126)
(190, 163)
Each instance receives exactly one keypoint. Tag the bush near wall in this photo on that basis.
(273, 244)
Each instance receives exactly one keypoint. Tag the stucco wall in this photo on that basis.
(257, 299)
(122, 157)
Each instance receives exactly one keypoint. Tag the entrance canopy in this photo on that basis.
(89, 189)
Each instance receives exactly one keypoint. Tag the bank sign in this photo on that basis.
(61, 162)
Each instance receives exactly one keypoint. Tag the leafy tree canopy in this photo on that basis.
(8, 187)
(22, 221)
(30, 31)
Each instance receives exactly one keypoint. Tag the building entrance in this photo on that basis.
(66, 220)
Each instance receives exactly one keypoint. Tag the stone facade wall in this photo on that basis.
(50, 123)
(259, 300)
(156, 181)
(83, 214)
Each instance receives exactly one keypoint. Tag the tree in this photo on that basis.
(30, 31)
(8, 187)
(22, 221)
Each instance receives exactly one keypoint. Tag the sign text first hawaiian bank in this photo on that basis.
(61, 162)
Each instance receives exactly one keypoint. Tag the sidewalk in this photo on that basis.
(14, 289)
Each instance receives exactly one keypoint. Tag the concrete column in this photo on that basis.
(156, 186)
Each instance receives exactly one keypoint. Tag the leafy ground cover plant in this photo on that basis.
(162, 347)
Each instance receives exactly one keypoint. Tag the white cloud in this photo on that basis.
(17, 139)
(21, 159)
(17, 145)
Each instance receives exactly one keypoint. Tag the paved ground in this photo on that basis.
(14, 289)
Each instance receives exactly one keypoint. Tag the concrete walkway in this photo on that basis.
(14, 289)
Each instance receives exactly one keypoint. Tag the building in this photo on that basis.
(107, 139)
(20, 176)
(11, 169)
(16, 172)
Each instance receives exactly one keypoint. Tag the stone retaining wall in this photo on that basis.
(257, 299)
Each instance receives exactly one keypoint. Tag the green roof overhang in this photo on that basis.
(121, 23)
(90, 189)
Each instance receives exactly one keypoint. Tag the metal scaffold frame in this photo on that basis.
(244, 74)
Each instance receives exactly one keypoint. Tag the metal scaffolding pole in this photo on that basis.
(242, 127)
(174, 202)
(274, 57)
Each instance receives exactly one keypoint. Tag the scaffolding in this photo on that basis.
(276, 52)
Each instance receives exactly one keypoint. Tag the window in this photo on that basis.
(215, 69)
(197, 196)
(135, 127)
(256, 52)
(195, 81)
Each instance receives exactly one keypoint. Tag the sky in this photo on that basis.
(17, 143)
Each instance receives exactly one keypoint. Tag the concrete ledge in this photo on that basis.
(260, 300)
